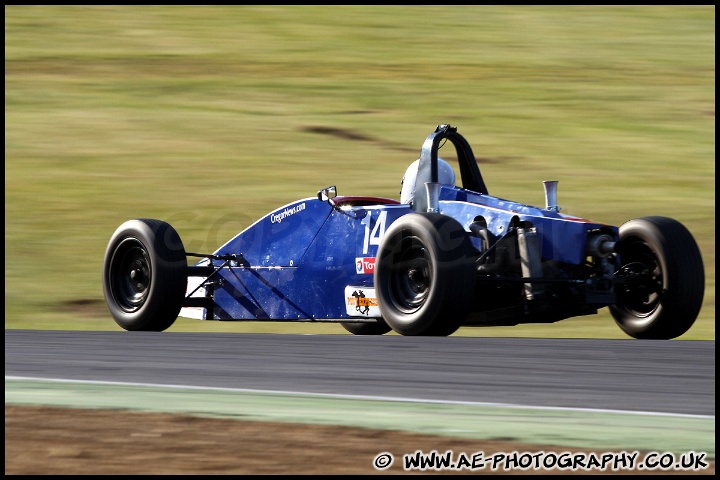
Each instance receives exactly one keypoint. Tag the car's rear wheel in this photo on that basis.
(425, 275)
(145, 275)
(366, 328)
(663, 279)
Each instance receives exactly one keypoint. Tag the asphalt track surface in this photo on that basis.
(562, 388)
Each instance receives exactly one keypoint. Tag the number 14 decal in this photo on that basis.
(374, 236)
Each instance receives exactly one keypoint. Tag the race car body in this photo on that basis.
(452, 256)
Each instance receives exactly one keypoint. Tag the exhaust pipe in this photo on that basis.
(551, 195)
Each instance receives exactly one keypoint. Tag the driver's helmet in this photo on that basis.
(446, 176)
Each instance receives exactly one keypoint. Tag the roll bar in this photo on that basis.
(428, 167)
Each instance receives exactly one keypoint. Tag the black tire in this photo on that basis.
(425, 275)
(375, 328)
(665, 279)
(145, 275)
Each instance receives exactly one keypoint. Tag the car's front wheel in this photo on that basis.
(145, 275)
(425, 275)
(662, 279)
(367, 328)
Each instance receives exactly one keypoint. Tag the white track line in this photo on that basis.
(361, 397)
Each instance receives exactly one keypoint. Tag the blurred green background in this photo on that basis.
(210, 117)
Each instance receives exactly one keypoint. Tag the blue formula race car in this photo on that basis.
(441, 257)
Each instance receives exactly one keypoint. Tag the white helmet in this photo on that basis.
(446, 176)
